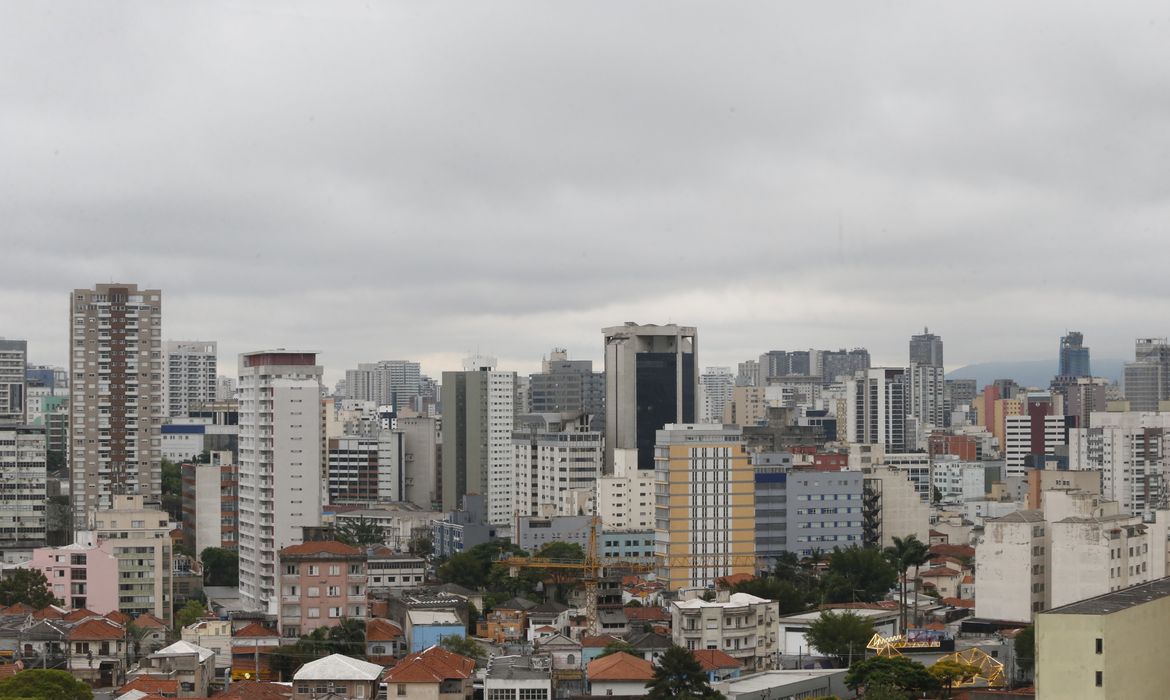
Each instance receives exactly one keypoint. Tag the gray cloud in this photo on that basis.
(426, 179)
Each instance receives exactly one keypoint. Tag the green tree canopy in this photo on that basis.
(347, 637)
(172, 489)
(28, 586)
(678, 676)
(358, 533)
(569, 551)
(421, 546)
(1024, 647)
(791, 594)
(904, 554)
(894, 673)
(474, 569)
(44, 685)
(857, 573)
(190, 613)
(221, 567)
(616, 646)
(842, 636)
(949, 672)
(463, 646)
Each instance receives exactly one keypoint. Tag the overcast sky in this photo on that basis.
(417, 180)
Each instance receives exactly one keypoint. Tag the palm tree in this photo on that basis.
(918, 556)
(134, 636)
(901, 555)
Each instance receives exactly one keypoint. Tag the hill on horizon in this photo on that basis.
(1037, 373)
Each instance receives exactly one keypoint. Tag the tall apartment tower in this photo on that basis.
(716, 385)
(13, 382)
(478, 416)
(279, 464)
(568, 386)
(1147, 378)
(837, 365)
(386, 383)
(651, 378)
(1074, 356)
(709, 505)
(876, 408)
(926, 349)
(190, 378)
(116, 376)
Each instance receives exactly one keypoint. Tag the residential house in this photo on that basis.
(385, 642)
(549, 617)
(517, 678)
(256, 690)
(649, 645)
(215, 635)
(146, 686)
(619, 674)
(743, 625)
(506, 622)
(97, 652)
(345, 677)
(593, 645)
(321, 582)
(652, 619)
(156, 632)
(718, 665)
(434, 674)
(191, 665)
(428, 628)
(252, 647)
(944, 580)
(564, 652)
(44, 642)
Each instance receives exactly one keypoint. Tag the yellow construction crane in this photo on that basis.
(594, 565)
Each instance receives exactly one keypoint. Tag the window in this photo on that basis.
(314, 612)
(1100, 644)
(334, 570)
(314, 570)
(401, 689)
(314, 592)
(1100, 679)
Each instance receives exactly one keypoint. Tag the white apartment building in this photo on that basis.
(549, 463)
(116, 408)
(894, 506)
(420, 435)
(926, 383)
(225, 389)
(23, 473)
(13, 383)
(1077, 547)
(1131, 450)
(1018, 439)
(739, 624)
(366, 469)
(386, 383)
(190, 378)
(625, 499)
(876, 408)
(715, 388)
(140, 533)
(280, 464)
(958, 481)
(916, 466)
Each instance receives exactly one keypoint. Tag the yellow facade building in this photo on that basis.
(705, 514)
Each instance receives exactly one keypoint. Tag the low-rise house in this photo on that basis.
(346, 678)
(390, 570)
(149, 685)
(155, 636)
(44, 643)
(434, 674)
(191, 665)
(256, 690)
(593, 645)
(550, 614)
(385, 642)
(649, 645)
(800, 683)
(517, 678)
(215, 635)
(795, 648)
(651, 619)
(944, 580)
(506, 622)
(320, 582)
(743, 625)
(97, 652)
(619, 674)
(565, 654)
(252, 647)
(718, 665)
(428, 628)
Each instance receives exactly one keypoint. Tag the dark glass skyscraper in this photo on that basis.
(1074, 356)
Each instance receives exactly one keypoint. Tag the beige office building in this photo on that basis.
(116, 379)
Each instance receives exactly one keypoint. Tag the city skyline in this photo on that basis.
(388, 181)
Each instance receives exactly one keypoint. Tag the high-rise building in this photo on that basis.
(926, 349)
(568, 386)
(13, 382)
(116, 372)
(23, 458)
(386, 383)
(837, 365)
(211, 514)
(366, 470)
(280, 464)
(420, 435)
(651, 377)
(1147, 378)
(141, 534)
(225, 389)
(715, 389)
(1074, 356)
(552, 457)
(190, 377)
(707, 504)
(926, 393)
(876, 406)
(748, 373)
(1033, 435)
(1132, 451)
(478, 417)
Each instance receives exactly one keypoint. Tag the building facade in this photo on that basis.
(211, 513)
(280, 464)
(116, 376)
(321, 582)
(739, 624)
(876, 408)
(13, 382)
(386, 383)
(1132, 452)
(141, 536)
(367, 469)
(23, 487)
(550, 459)
(1074, 356)
(190, 375)
(715, 392)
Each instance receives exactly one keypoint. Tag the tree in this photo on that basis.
(474, 569)
(55, 461)
(221, 567)
(284, 661)
(463, 646)
(616, 646)
(896, 673)
(44, 685)
(172, 489)
(357, 533)
(28, 586)
(134, 636)
(936, 496)
(791, 595)
(841, 636)
(634, 603)
(678, 675)
(857, 573)
(190, 613)
(949, 672)
(1024, 647)
(901, 556)
(347, 637)
(568, 551)
(421, 546)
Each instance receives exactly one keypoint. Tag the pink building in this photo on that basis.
(83, 574)
(320, 583)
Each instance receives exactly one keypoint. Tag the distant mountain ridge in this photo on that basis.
(1037, 373)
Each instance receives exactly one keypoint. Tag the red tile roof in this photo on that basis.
(255, 629)
(79, 614)
(152, 684)
(256, 690)
(49, 613)
(953, 550)
(733, 579)
(149, 621)
(939, 571)
(600, 641)
(620, 666)
(97, 628)
(9, 670)
(649, 614)
(118, 616)
(17, 609)
(714, 659)
(380, 630)
(431, 666)
(959, 603)
(321, 547)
